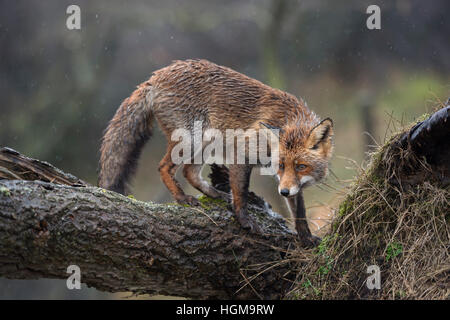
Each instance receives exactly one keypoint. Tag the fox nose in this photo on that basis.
(284, 192)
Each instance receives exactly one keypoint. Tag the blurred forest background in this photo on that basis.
(60, 87)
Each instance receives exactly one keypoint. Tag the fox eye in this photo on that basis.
(300, 167)
(281, 166)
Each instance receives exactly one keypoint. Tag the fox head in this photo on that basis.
(304, 154)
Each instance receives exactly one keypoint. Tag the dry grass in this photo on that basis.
(396, 216)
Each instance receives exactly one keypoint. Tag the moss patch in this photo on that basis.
(5, 191)
(208, 203)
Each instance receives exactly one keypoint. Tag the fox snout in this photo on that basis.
(292, 189)
(289, 192)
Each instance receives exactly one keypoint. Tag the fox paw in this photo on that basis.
(217, 194)
(310, 241)
(188, 200)
(248, 223)
(224, 196)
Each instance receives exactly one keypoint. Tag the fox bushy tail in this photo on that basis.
(124, 138)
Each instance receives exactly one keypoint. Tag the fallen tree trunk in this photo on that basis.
(52, 220)
(121, 244)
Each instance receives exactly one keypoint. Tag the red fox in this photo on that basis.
(199, 90)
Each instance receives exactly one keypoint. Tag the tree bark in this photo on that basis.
(121, 244)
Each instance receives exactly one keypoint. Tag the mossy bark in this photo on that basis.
(121, 244)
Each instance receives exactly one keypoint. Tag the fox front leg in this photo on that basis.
(298, 211)
(239, 183)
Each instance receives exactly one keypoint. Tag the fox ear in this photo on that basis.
(321, 137)
(275, 130)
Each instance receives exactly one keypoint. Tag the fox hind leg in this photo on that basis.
(192, 173)
(167, 170)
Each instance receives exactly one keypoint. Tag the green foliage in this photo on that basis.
(307, 285)
(324, 244)
(323, 251)
(344, 207)
(393, 250)
(327, 267)
(5, 191)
